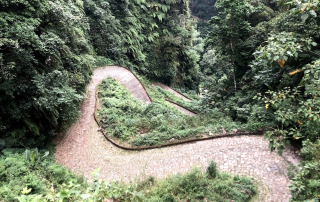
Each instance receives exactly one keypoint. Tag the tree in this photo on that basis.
(229, 29)
(203, 9)
(150, 37)
(45, 63)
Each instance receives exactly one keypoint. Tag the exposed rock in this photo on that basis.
(171, 140)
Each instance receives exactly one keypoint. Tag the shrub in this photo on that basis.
(168, 198)
(306, 184)
(18, 173)
(128, 119)
(212, 170)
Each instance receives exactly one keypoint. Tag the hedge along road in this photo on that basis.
(83, 149)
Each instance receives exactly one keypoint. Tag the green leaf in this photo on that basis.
(304, 17)
(45, 154)
(63, 194)
(313, 13)
(27, 154)
(95, 173)
(32, 127)
(22, 198)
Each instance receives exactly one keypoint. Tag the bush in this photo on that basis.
(18, 173)
(212, 170)
(55, 183)
(306, 184)
(128, 119)
(168, 198)
(196, 186)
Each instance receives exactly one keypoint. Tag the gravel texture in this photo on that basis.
(171, 90)
(83, 149)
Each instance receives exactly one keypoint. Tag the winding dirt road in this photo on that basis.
(83, 149)
(171, 91)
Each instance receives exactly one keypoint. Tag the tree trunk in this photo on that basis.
(234, 68)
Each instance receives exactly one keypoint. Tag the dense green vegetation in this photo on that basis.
(151, 37)
(198, 186)
(48, 49)
(202, 11)
(32, 175)
(46, 62)
(305, 184)
(34, 171)
(258, 62)
(128, 119)
(264, 66)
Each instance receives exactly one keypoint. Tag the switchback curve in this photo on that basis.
(83, 149)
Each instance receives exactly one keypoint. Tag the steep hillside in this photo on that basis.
(151, 37)
(203, 9)
(46, 62)
(48, 49)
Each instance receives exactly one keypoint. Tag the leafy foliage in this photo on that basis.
(124, 117)
(212, 169)
(31, 173)
(45, 64)
(276, 63)
(203, 9)
(197, 186)
(48, 49)
(52, 182)
(295, 103)
(306, 184)
(151, 37)
(238, 29)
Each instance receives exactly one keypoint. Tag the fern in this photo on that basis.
(139, 1)
(150, 38)
(160, 16)
(165, 8)
(153, 25)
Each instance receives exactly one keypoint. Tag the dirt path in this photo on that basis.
(182, 109)
(171, 90)
(83, 149)
(178, 107)
(125, 77)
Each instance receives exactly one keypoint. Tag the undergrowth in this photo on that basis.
(159, 93)
(33, 176)
(128, 119)
(198, 186)
(35, 170)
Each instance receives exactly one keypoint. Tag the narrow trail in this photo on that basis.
(83, 149)
(182, 109)
(177, 94)
(171, 90)
(125, 77)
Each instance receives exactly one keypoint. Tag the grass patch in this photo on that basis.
(23, 179)
(129, 120)
(198, 186)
